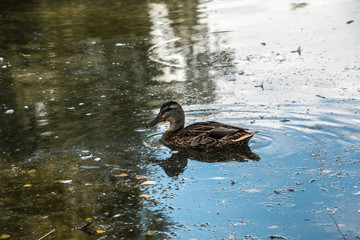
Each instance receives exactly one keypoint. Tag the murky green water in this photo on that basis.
(80, 79)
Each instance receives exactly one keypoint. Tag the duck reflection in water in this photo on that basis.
(177, 162)
(203, 141)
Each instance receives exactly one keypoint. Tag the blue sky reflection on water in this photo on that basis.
(79, 82)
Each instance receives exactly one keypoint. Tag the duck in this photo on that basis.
(200, 135)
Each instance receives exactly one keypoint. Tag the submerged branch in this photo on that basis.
(337, 226)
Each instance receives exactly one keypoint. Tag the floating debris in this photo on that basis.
(148, 183)
(273, 227)
(86, 157)
(261, 85)
(338, 158)
(284, 120)
(349, 22)
(4, 236)
(325, 171)
(65, 181)
(298, 5)
(10, 111)
(150, 232)
(253, 190)
(144, 195)
(47, 234)
(217, 178)
(140, 177)
(85, 226)
(297, 51)
(122, 175)
(99, 231)
(276, 237)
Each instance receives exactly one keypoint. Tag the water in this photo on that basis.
(79, 80)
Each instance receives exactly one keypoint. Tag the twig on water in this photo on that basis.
(85, 226)
(337, 226)
(47, 234)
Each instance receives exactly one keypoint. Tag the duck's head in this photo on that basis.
(171, 112)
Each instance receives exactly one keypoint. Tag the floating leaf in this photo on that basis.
(4, 236)
(88, 219)
(98, 231)
(122, 175)
(144, 195)
(148, 183)
(150, 232)
(140, 177)
(27, 185)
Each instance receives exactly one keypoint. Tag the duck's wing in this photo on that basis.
(209, 133)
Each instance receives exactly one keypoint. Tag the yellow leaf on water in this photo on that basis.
(4, 236)
(27, 185)
(150, 232)
(122, 175)
(148, 183)
(273, 227)
(140, 177)
(98, 231)
(88, 219)
(32, 172)
(144, 195)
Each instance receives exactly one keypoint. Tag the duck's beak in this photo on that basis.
(157, 120)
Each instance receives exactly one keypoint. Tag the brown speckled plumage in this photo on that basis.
(202, 135)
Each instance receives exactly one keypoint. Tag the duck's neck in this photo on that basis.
(174, 126)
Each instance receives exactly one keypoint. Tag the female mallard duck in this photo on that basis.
(198, 135)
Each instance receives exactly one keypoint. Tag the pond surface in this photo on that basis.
(80, 79)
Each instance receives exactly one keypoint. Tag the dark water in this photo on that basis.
(80, 79)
